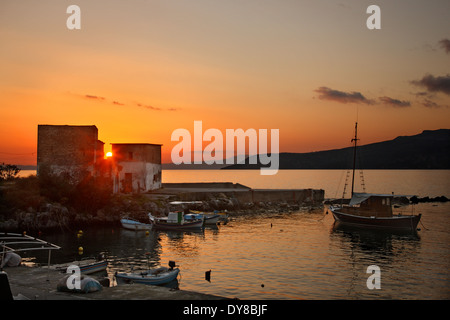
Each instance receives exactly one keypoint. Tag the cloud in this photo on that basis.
(394, 102)
(148, 106)
(445, 43)
(326, 93)
(434, 84)
(431, 104)
(118, 103)
(94, 97)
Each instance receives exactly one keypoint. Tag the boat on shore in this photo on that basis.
(87, 266)
(176, 221)
(157, 276)
(371, 210)
(135, 225)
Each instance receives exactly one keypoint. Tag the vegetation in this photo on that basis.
(87, 195)
(8, 171)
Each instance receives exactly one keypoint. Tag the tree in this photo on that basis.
(8, 171)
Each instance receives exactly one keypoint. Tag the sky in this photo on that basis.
(140, 69)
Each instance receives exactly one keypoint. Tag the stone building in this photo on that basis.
(70, 150)
(75, 152)
(136, 167)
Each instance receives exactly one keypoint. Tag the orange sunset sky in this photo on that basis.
(140, 69)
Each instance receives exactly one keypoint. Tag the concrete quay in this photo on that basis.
(203, 190)
(37, 283)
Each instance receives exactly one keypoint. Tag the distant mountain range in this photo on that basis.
(427, 150)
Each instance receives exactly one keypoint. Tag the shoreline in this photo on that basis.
(44, 287)
(235, 199)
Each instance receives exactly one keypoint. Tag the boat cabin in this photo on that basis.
(369, 204)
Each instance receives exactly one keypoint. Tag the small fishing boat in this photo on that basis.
(157, 276)
(176, 221)
(222, 216)
(87, 266)
(208, 218)
(371, 210)
(132, 224)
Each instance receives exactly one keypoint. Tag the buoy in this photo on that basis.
(80, 250)
(262, 285)
(208, 275)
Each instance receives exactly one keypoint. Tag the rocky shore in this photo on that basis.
(56, 216)
(25, 207)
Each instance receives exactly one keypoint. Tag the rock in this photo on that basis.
(9, 225)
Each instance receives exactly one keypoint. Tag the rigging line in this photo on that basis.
(361, 172)
(423, 225)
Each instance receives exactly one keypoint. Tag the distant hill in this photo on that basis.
(427, 150)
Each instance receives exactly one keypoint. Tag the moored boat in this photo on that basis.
(212, 217)
(371, 210)
(208, 219)
(176, 221)
(132, 224)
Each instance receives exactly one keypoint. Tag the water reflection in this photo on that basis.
(375, 243)
(302, 255)
(391, 251)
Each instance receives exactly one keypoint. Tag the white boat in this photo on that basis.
(157, 276)
(132, 224)
(212, 217)
(175, 221)
(208, 219)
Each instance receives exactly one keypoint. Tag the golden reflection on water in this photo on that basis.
(303, 255)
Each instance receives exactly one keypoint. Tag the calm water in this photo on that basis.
(300, 255)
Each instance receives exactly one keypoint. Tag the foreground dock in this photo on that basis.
(37, 283)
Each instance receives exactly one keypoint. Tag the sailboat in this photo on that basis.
(371, 210)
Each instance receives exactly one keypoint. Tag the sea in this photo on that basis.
(290, 256)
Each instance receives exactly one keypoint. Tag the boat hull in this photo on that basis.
(196, 225)
(135, 225)
(151, 279)
(212, 219)
(208, 219)
(400, 222)
(86, 266)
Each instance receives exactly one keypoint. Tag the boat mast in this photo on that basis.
(354, 155)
